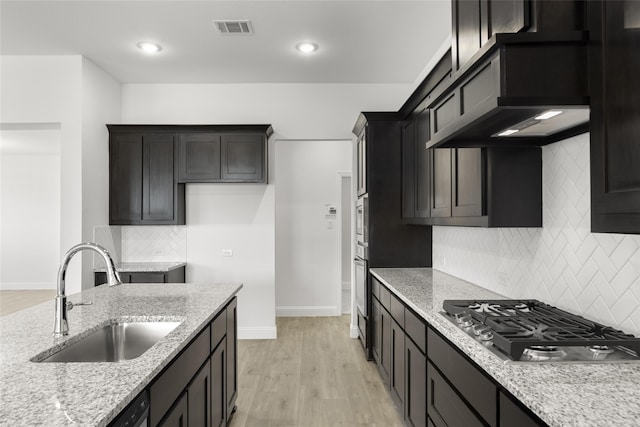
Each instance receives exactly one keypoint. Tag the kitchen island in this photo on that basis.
(93, 394)
(560, 394)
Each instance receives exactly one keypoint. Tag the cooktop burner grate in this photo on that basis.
(521, 324)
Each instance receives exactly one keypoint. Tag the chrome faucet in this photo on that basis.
(61, 326)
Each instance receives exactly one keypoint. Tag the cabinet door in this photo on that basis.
(147, 278)
(423, 168)
(467, 182)
(376, 331)
(361, 162)
(199, 395)
(178, 415)
(125, 178)
(415, 402)
(466, 36)
(409, 170)
(385, 345)
(243, 158)
(199, 155)
(218, 372)
(504, 16)
(615, 116)
(441, 183)
(232, 360)
(158, 184)
(396, 378)
(511, 414)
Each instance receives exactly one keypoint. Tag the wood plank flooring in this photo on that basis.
(12, 301)
(314, 374)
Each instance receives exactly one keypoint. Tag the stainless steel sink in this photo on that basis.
(115, 342)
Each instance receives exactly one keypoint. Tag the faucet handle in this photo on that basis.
(70, 304)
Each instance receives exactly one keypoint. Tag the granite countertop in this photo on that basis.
(560, 394)
(144, 267)
(60, 394)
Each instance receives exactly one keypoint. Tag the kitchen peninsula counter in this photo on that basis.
(59, 394)
(561, 394)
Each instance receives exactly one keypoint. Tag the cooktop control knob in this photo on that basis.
(464, 319)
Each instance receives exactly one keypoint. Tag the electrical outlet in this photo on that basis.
(227, 252)
(158, 251)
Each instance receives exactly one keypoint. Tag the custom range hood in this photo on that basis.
(518, 89)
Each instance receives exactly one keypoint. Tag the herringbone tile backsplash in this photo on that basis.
(562, 263)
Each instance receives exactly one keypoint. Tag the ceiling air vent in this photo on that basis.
(229, 28)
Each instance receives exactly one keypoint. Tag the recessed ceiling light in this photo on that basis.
(149, 47)
(548, 114)
(307, 47)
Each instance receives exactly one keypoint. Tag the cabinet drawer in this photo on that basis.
(416, 329)
(170, 384)
(397, 310)
(218, 328)
(385, 298)
(375, 288)
(511, 414)
(477, 389)
(444, 406)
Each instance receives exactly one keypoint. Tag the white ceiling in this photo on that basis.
(360, 41)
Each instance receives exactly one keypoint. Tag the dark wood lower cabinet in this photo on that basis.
(174, 276)
(218, 398)
(178, 416)
(415, 404)
(445, 407)
(231, 386)
(199, 387)
(199, 393)
(429, 380)
(512, 414)
(397, 377)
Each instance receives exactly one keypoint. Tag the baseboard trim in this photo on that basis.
(353, 332)
(308, 311)
(28, 286)
(258, 333)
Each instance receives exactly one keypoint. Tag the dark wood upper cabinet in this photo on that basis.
(487, 187)
(441, 183)
(615, 116)
(243, 158)
(467, 183)
(149, 164)
(199, 155)
(361, 162)
(142, 184)
(466, 30)
(416, 177)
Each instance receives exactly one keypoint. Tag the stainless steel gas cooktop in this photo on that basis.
(532, 331)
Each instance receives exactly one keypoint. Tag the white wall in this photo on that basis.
(29, 208)
(308, 267)
(296, 111)
(100, 105)
(72, 91)
(563, 263)
(47, 89)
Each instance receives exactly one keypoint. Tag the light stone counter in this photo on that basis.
(92, 394)
(144, 267)
(562, 395)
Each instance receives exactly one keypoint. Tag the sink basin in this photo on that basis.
(114, 342)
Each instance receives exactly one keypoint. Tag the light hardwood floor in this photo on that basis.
(314, 374)
(12, 301)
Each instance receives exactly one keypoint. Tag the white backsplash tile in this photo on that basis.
(563, 263)
(154, 243)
